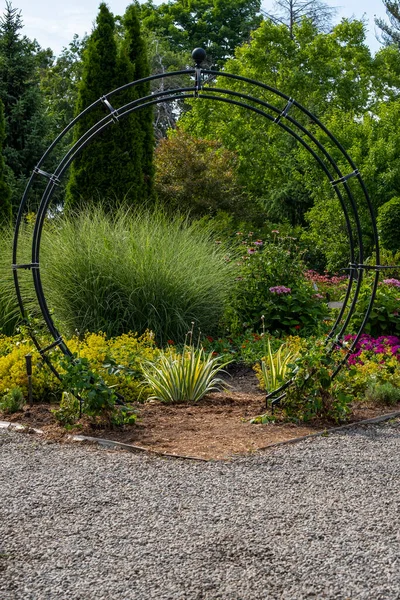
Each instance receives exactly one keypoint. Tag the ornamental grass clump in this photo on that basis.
(133, 272)
(185, 377)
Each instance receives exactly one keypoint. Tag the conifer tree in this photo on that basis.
(92, 170)
(26, 123)
(391, 30)
(138, 58)
(5, 192)
(116, 167)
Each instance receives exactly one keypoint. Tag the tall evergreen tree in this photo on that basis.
(26, 123)
(137, 55)
(116, 167)
(5, 192)
(391, 30)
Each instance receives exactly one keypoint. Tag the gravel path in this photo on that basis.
(319, 519)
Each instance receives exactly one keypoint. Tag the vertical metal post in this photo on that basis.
(28, 360)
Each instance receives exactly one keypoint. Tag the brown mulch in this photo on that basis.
(216, 427)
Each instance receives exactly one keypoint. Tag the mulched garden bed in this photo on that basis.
(216, 427)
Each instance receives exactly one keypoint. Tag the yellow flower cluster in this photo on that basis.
(13, 369)
(127, 351)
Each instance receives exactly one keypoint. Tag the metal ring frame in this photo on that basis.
(202, 89)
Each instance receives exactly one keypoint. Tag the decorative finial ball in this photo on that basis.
(198, 55)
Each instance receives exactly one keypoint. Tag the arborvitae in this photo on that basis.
(92, 170)
(26, 123)
(5, 192)
(137, 54)
(116, 167)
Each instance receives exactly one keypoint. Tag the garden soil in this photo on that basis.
(217, 427)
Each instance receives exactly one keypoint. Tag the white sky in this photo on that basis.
(53, 22)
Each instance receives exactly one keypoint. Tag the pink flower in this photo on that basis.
(258, 243)
(280, 289)
(250, 250)
(274, 231)
(394, 282)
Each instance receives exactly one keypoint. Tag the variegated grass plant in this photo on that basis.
(184, 377)
(274, 368)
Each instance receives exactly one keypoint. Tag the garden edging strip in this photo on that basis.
(129, 447)
(380, 419)
(112, 444)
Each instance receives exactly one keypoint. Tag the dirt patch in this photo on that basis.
(216, 427)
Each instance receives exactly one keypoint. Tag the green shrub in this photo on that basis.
(132, 273)
(383, 393)
(388, 224)
(384, 318)
(270, 282)
(12, 402)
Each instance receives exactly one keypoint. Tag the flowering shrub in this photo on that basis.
(270, 282)
(374, 361)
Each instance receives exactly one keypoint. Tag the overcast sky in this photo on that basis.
(54, 22)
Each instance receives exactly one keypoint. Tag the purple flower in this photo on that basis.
(258, 243)
(280, 289)
(394, 282)
(250, 250)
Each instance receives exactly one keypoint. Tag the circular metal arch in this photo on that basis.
(289, 115)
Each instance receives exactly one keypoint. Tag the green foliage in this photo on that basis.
(26, 122)
(325, 72)
(5, 192)
(68, 411)
(98, 398)
(12, 402)
(59, 84)
(383, 393)
(134, 272)
(116, 167)
(270, 283)
(384, 317)
(391, 30)
(185, 377)
(217, 26)
(198, 176)
(313, 394)
(388, 225)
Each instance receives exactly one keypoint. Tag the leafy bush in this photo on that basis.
(313, 394)
(12, 402)
(134, 272)
(185, 377)
(388, 224)
(384, 318)
(383, 393)
(270, 282)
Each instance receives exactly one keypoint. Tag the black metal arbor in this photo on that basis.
(203, 84)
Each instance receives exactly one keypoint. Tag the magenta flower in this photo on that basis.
(258, 243)
(251, 250)
(280, 289)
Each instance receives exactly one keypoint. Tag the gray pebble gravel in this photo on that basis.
(319, 519)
